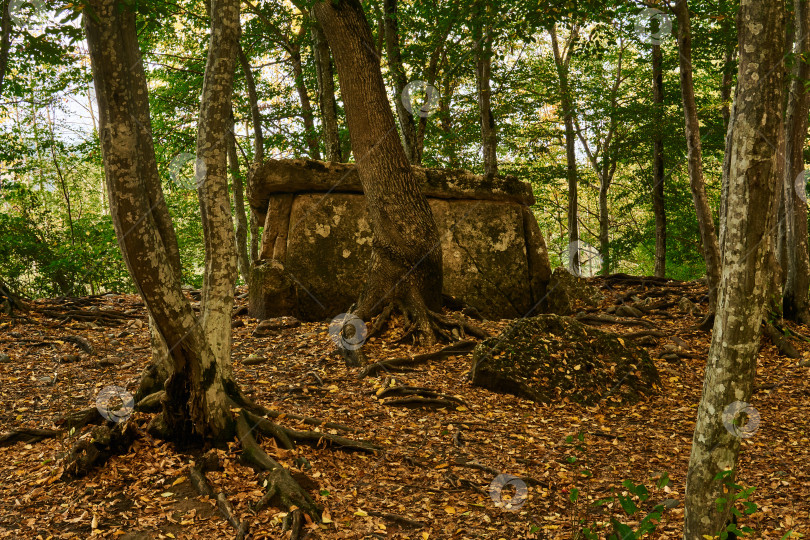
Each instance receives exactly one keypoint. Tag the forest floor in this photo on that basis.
(436, 464)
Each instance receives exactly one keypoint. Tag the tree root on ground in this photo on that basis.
(781, 341)
(200, 482)
(609, 319)
(460, 347)
(426, 396)
(423, 325)
(104, 443)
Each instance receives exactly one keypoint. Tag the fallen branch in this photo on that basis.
(461, 347)
(421, 402)
(609, 319)
(402, 520)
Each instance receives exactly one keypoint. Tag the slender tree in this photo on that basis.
(659, 206)
(751, 174)
(708, 235)
(796, 304)
(562, 60)
(327, 104)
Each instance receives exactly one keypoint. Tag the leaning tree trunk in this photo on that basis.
(562, 61)
(406, 260)
(195, 403)
(747, 240)
(406, 120)
(306, 105)
(708, 235)
(326, 93)
(238, 188)
(659, 208)
(796, 304)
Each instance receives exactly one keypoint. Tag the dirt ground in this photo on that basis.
(432, 478)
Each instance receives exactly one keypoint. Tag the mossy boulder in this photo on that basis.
(548, 358)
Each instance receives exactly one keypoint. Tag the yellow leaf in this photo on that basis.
(178, 481)
(361, 513)
(442, 465)
(449, 509)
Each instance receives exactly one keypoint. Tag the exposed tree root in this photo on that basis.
(417, 401)
(423, 325)
(645, 333)
(105, 443)
(399, 520)
(608, 319)
(781, 342)
(282, 489)
(28, 435)
(460, 347)
(418, 392)
(200, 483)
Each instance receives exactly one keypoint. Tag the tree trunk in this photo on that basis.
(326, 93)
(303, 96)
(489, 137)
(406, 260)
(406, 121)
(446, 122)
(255, 113)
(659, 208)
(239, 204)
(708, 235)
(729, 57)
(195, 401)
(605, 179)
(796, 304)
(5, 40)
(562, 60)
(748, 219)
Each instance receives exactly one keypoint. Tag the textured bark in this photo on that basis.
(5, 40)
(306, 105)
(406, 120)
(796, 304)
(326, 93)
(708, 235)
(406, 261)
(729, 57)
(562, 59)
(659, 206)
(238, 188)
(483, 73)
(194, 405)
(747, 222)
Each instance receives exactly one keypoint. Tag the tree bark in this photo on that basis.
(5, 40)
(659, 206)
(708, 235)
(326, 93)
(306, 105)
(238, 188)
(406, 121)
(195, 401)
(562, 59)
(406, 259)
(796, 304)
(253, 99)
(483, 72)
(747, 222)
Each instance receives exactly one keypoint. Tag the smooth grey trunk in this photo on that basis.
(562, 60)
(796, 304)
(327, 104)
(708, 235)
(746, 236)
(659, 206)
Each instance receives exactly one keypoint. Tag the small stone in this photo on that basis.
(671, 357)
(45, 380)
(238, 323)
(109, 361)
(270, 327)
(70, 358)
(5, 359)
